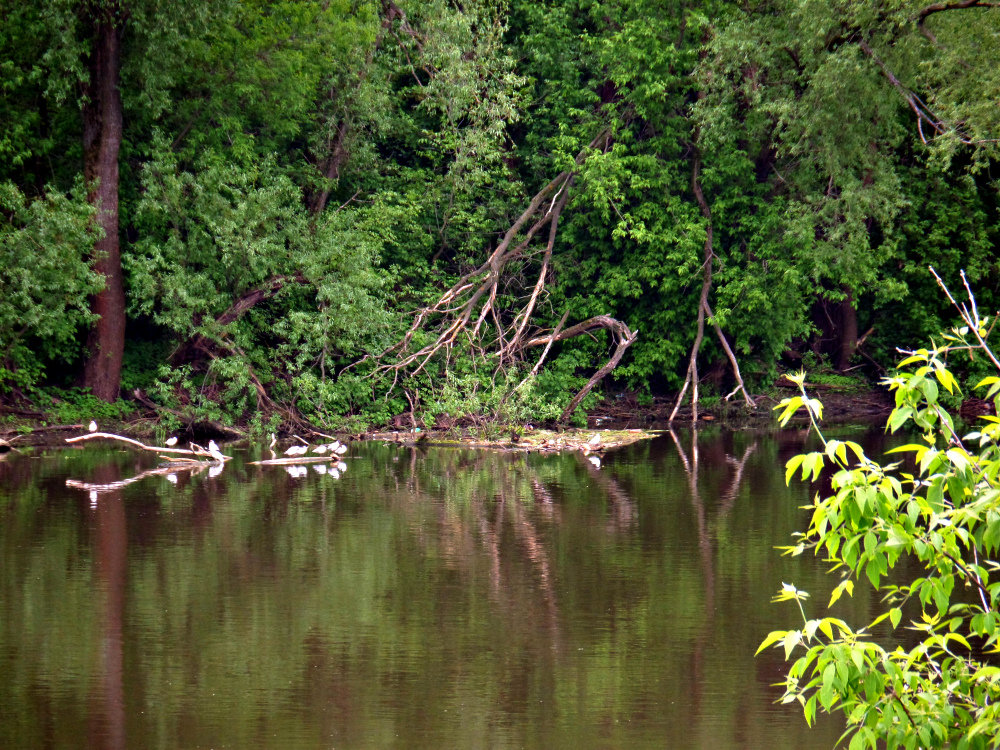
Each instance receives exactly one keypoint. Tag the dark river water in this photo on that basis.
(426, 598)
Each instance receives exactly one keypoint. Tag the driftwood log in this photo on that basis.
(195, 451)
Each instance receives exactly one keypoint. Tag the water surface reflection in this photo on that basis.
(426, 598)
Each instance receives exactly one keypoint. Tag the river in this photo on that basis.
(425, 598)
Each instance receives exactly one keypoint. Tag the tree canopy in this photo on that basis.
(295, 197)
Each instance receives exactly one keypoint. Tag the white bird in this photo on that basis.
(172, 441)
(320, 449)
(296, 450)
(214, 452)
(596, 440)
(92, 426)
(340, 450)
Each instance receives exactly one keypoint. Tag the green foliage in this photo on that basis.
(45, 283)
(362, 156)
(77, 406)
(225, 232)
(805, 115)
(937, 513)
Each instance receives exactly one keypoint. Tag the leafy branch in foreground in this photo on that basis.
(941, 687)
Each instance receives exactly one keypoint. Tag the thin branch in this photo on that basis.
(691, 378)
(623, 338)
(920, 109)
(973, 321)
(740, 388)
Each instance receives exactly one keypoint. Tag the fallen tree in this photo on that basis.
(469, 312)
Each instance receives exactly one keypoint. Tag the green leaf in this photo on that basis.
(790, 641)
(895, 615)
(946, 379)
(846, 585)
(791, 465)
(773, 637)
(899, 417)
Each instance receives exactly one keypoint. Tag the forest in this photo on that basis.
(270, 212)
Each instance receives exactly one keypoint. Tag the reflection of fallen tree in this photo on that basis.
(194, 460)
(294, 460)
(195, 467)
(497, 520)
(706, 543)
(730, 495)
(621, 503)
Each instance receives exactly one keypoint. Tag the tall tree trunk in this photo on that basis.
(847, 331)
(102, 137)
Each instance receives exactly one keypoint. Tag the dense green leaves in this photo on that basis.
(367, 154)
(45, 282)
(939, 688)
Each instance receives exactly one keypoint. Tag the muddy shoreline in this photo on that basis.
(623, 415)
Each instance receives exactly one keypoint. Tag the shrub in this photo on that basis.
(945, 519)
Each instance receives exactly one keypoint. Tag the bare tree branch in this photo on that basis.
(623, 340)
(464, 310)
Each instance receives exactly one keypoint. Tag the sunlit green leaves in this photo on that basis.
(945, 519)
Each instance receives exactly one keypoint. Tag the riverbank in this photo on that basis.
(620, 420)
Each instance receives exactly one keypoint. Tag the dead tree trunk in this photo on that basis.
(102, 137)
(691, 378)
(469, 309)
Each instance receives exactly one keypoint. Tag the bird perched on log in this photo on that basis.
(92, 426)
(172, 441)
(214, 452)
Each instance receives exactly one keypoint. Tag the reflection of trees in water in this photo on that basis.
(502, 509)
(707, 545)
(107, 728)
(498, 584)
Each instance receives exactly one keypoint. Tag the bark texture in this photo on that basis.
(102, 137)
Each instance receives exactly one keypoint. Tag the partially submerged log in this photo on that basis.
(195, 450)
(295, 460)
(544, 441)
